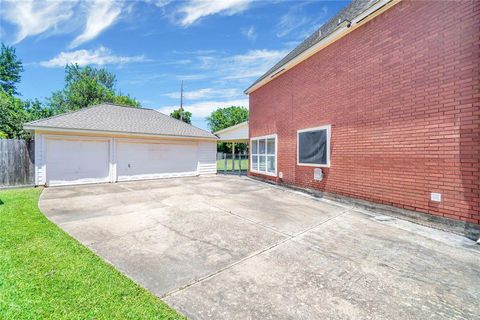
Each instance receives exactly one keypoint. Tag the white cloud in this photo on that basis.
(191, 77)
(196, 52)
(250, 33)
(100, 56)
(206, 93)
(222, 71)
(159, 3)
(205, 108)
(196, 9)
(291, 21)
(250, 65)
(35, 17)
(297, 19)
(101, 14)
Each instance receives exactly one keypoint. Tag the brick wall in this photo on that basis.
(402, 94)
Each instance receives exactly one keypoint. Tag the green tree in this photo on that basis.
(226, 117)
(12, 116)
(10, 69)
(14, 112)
(85, 87)
(186, 116)
(125, 100)
(36, 110)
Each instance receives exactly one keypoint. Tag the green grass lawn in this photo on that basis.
(46, 274)
(221, 164)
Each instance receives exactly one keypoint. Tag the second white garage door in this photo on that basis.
(151, 160)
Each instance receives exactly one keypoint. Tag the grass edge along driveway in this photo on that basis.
(46, 274)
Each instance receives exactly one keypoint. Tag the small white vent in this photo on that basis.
(318, 174)
(437, 197)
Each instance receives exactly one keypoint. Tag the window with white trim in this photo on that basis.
(313, 147)
(264, 155)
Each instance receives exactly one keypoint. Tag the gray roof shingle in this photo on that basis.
(355, 8)
(122, 119)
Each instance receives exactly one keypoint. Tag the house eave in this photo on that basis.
(232, 128)
(357, 22)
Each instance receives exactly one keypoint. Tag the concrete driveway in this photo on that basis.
(234, 248)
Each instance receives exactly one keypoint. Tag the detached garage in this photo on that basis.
(110, 143)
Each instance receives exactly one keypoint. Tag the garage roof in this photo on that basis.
(120, 119)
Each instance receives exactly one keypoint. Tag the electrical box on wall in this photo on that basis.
(437, 197)
(318, 174)
(280, 175)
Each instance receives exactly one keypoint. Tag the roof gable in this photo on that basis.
(122, 119)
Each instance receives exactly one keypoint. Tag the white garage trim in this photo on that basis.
(113, 162)
(207, 157)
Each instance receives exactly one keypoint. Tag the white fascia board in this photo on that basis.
(117, 133)
(232, 127)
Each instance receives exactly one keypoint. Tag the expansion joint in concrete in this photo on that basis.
(253, 255)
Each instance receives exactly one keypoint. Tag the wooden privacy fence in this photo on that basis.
(17, 166)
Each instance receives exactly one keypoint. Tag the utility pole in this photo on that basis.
(181, 102)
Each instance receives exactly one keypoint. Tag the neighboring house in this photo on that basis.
(384, 100)
(236, 133)
(109, 143)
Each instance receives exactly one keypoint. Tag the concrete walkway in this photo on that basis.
(229, 247)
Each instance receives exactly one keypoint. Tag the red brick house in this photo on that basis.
(384, 99)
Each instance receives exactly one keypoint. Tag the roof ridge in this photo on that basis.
(189, 124)
(124, 106)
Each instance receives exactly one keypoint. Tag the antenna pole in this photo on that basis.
(181, 101)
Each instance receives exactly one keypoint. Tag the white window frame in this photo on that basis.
(325, 127)
(273, 174)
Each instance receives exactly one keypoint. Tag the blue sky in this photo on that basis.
(217, 47)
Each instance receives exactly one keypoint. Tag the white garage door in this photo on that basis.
(71, 161)
(151, 160)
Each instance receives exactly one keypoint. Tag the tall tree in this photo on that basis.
(12, 116)
(85, 87)
(226, 117)
(14, 112)
(181, 114)
(10, 69)
(37, 110)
